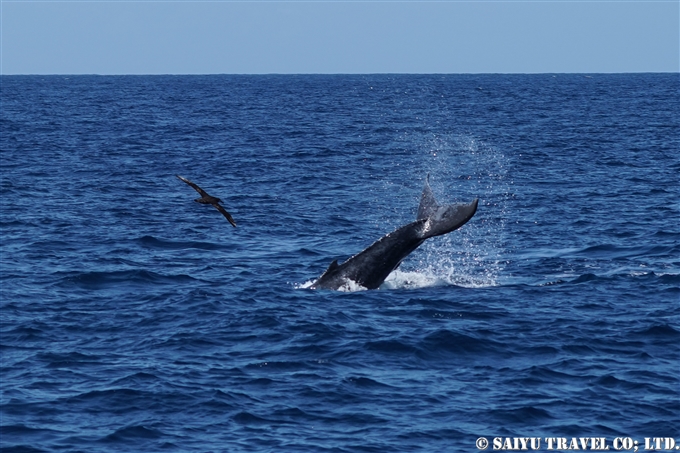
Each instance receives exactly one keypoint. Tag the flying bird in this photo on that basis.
(209, 199)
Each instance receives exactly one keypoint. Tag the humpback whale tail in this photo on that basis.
(442, 219)
(372, 266)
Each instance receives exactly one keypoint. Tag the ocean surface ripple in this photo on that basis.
(133, 319)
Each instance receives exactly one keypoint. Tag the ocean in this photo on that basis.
(136, 320)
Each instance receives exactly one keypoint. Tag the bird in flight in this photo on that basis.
(209, 199)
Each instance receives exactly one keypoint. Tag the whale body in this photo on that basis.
(371, 267)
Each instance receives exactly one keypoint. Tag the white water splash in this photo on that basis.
(349, 286)
(304, 285)
(412, 280)
(462, 168)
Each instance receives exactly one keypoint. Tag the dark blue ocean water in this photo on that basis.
(136, 320)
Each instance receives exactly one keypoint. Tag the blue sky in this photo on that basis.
(256, 37)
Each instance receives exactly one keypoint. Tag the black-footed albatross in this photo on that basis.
(209, 199)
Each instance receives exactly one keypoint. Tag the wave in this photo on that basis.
(445, 342)
(526, 414)
(660, 331)
(604, 251)
(165, 244)
(610, 251)
(102, 279)
(671, 280)
(132, 433)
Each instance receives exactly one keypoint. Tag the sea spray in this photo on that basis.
(461, 168)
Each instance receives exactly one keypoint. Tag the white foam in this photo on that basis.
(412, 280)
(349, 286)
(429, 278)
(304, 285)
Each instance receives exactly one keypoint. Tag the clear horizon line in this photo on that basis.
(331, 73)
(338, 1)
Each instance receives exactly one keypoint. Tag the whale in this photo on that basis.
(370, 268)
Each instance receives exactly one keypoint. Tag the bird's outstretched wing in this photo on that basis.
(198, 189)
(225, 214)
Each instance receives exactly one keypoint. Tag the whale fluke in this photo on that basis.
(209, 199)
(427, 202)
